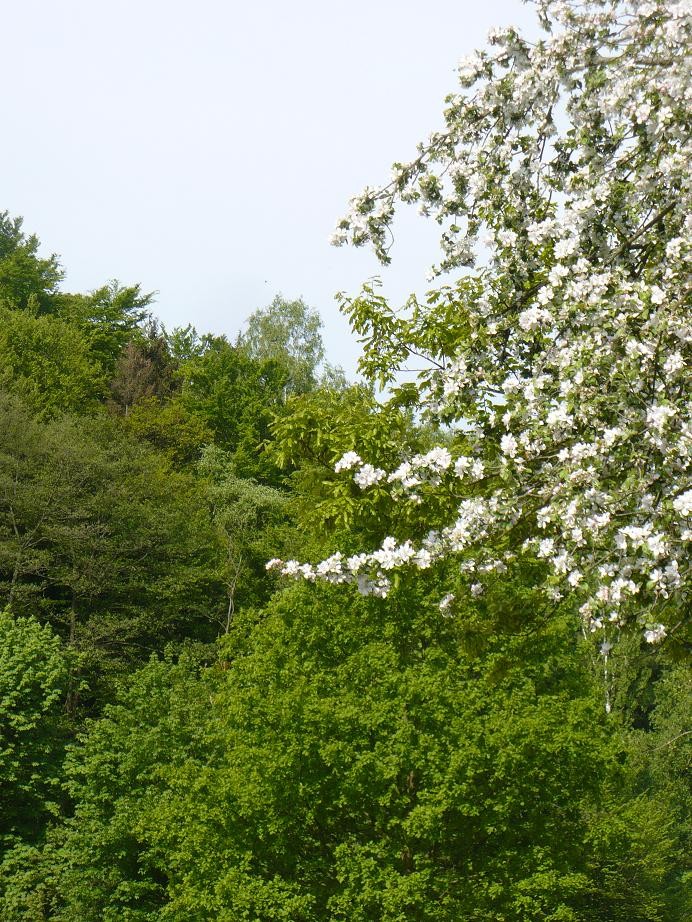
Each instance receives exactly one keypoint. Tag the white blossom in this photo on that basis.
(658, 416)
(367, 475)
(508, 444)
(477, 469)
(446, 604)
(348, 461)
(546, 547)
(655, 634)
(683, 503)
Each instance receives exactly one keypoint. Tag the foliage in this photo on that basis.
(447, 742)
(169, 427)
(344, 761)
(315, 430)
(25, 278)
(660, 760)
(48, 362)
(248, 518)
(144, 369)
(75, 878)
(109, 317)
(287, 332)
(33, 684)
(235, 397)
(99, 537)
(185, 342)
(39, 322)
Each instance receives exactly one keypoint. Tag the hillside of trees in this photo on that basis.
(183, 737)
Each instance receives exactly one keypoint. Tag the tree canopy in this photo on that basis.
(287, 332)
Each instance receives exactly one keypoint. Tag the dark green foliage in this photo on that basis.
(235, 397)
(659, 777)
(169, 427)
(100, 538)
(144, 369)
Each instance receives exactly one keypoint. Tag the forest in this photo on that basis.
(277, 645)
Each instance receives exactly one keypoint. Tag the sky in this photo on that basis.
(206, 150)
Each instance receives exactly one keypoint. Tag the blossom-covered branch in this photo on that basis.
(563, 177)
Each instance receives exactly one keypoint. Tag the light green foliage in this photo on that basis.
(99, 866)
(185, 343)
(33, 684)
(25, 278)
(316, 429)
(430, 332)
(48, 362)
(107, 317)
(56, 349)
(287, 332)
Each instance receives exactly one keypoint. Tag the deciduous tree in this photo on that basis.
(558, 354)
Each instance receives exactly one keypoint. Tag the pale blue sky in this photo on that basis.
(206, 149)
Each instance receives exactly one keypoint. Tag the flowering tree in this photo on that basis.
(558, 355)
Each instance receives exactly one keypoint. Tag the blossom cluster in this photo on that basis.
(414, 472)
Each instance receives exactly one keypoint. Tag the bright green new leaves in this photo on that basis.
(424, 335)
(25, 278)
(33, 683)
(287, 332)
(313, 433)
(48, 362)
(100, 865)
(362, 761)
